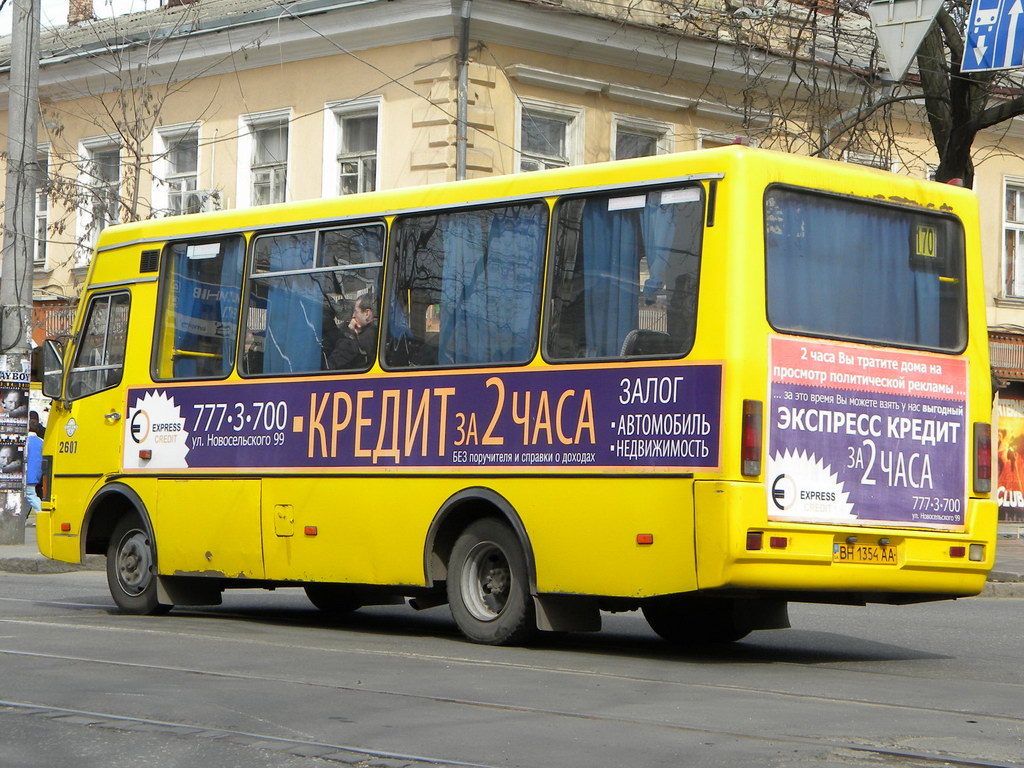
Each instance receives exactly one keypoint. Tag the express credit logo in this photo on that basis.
(139, 427)
(783, 492)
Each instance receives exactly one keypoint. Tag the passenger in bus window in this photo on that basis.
(357, 347)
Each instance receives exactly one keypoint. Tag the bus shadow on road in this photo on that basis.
(628, 639)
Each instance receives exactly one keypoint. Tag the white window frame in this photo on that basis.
(87, 233)
(334, 113)
(869, 160)
(42, 213)
(660, 132)
(246, 124)
(1016, 226)
(573, 117)
(720, 138)
(163, 139)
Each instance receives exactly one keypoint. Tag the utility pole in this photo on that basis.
(16, 274)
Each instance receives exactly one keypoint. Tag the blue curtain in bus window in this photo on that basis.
(490, 286)
(515, 254)
(206, 293)
(659, 230)
(841, 269)
(295, 308)
(611, 276)
(463, 336)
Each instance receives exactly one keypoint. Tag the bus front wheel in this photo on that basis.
(690, 620)
(131, 568)
(488, 586)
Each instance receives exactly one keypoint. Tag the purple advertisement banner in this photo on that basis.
(660, 418)
(866, 436)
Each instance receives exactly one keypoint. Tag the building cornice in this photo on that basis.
(208, 45)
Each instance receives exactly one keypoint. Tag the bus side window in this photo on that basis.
(200, 293)
(303, 290)
(624, 281)
(466, 287)
(99, 360)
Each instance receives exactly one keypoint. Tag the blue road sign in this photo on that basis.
(995, 36)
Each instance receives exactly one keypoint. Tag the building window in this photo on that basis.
(42, 212)
(183, 174)
(100, 191)
(1013, 231)
(269, 163)
(351, 141)
(712, 139)
(636, 138)
(263, 158)
(869, 160)
(548, 136)
(105, 186)
(357, 154)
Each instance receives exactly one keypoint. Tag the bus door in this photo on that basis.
(206, 517)
(88, 441)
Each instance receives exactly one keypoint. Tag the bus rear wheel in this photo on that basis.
(333, 599)
(131, 568)
(488, 588)
(690, 620)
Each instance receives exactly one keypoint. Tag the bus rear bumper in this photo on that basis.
(738, 548)
(56, 545)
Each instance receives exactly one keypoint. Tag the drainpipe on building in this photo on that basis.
(462, 111)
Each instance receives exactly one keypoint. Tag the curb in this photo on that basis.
(45, 565)
(1003, 589)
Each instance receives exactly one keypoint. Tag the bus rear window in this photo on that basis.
(846, 269)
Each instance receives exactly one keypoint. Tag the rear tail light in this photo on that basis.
(755, 540)
(982, 457)
(46, 479)
(751, 448)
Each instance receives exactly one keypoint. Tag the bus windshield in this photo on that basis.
(864, 271)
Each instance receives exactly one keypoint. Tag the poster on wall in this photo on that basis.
(1010, 450)
(14, 389)
(865, 436)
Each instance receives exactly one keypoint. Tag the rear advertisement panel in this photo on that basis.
(863, 436)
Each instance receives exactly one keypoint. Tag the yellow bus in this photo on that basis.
(700, 385)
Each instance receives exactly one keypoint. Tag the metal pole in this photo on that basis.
(19, 222)
(462, 112)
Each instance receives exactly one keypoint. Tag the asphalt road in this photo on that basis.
(264, 680)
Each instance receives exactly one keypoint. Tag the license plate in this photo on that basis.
(871, 554)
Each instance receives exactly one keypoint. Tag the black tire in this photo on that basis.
(333, 599)
(488, 587)
(131, 568)
(692, 621)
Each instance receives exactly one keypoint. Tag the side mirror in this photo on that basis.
(53, 369)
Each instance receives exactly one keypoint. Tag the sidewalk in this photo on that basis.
(1006, 579)
(25, 558)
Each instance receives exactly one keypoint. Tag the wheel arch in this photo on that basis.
(458, 511)
(110, 504)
